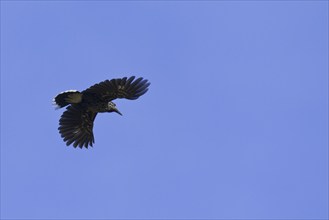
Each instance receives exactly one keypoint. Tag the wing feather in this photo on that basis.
(76, 126)
(127, 88)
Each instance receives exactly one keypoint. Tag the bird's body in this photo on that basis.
(76, 123)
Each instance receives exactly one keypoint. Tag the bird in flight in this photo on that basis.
(77, 122)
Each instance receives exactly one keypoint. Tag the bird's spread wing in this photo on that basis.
(76, 126)
(119, 88)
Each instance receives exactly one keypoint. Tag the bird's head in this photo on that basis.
(111, 107)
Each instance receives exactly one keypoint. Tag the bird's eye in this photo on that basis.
(111, 104)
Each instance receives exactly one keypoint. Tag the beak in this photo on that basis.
(117, 111)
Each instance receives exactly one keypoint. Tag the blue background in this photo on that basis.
(235, 124)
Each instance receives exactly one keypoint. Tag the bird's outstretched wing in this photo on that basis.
(128, 88)
(76, 126)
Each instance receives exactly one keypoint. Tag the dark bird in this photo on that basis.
(76, 123)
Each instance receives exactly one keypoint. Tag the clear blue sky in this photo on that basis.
(235, 124)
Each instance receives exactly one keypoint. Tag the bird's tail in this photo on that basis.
(68, 97)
